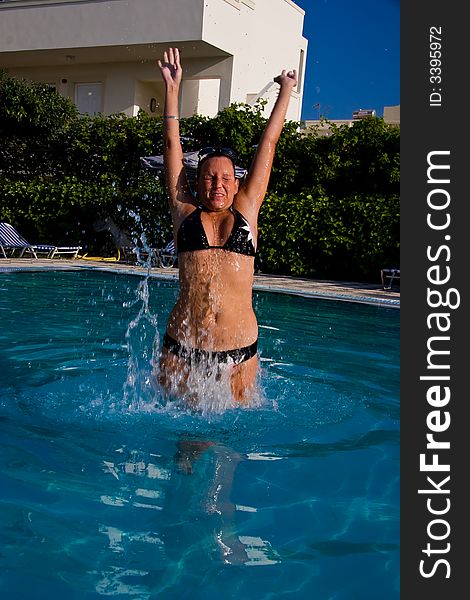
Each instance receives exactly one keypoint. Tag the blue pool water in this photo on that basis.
(295, 498)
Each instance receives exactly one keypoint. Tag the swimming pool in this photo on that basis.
(296, 498)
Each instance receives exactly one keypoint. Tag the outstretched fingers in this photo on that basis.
(171, 58)
(170, 66)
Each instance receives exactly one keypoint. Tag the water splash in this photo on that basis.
(143, 347)
(204, 389)
(144, 253)
(142, 336)
(199, 383)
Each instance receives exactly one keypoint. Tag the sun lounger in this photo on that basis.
(157, 257)
(388, 276)
(58, 251)
(167, 255)
(11, 241)
(14, 244)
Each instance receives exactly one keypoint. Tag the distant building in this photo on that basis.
(101, 53)
(323, 127)
(392, 115)
(363, 113)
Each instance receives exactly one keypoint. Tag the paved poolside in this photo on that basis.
(335, 290)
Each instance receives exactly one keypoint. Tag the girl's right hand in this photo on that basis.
(287, 78)
(170, 67)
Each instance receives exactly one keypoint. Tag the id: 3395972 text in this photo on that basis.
(435, 66)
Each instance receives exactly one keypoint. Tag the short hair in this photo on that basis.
(211, 152)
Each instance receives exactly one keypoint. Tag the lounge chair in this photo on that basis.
(157, 257)
(137, 254)
(167, 255)
(388, 276)
(11, 242)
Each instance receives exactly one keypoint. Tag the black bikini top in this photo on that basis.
(191, 235)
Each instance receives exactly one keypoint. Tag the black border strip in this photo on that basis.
(434, 130)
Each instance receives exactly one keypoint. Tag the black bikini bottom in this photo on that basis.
(238, 355)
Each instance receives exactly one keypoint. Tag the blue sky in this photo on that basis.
(353, 56)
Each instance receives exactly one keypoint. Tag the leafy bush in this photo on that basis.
(314, 235)
(69, 211)
(32, 109)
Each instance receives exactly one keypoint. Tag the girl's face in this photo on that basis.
(217, 184)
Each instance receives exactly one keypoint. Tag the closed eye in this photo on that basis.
(214, 178)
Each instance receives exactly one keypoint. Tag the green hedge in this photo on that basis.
(313, 235)
(68, 211)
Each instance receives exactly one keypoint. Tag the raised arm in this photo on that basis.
(253, 190)
(178, 189)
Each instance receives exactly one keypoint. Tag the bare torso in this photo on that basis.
(214, 310)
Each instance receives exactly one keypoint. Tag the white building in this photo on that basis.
(102, 53)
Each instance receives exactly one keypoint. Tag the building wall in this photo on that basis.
(55, 24)
(231, 49)
(264, 37)
(392, 114)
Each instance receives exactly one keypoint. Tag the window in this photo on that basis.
(300, 72)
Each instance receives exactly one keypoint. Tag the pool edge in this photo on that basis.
(371, 294)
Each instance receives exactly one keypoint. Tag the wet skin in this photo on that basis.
(214, 309)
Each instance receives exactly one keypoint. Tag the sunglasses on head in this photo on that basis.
(216, 151)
